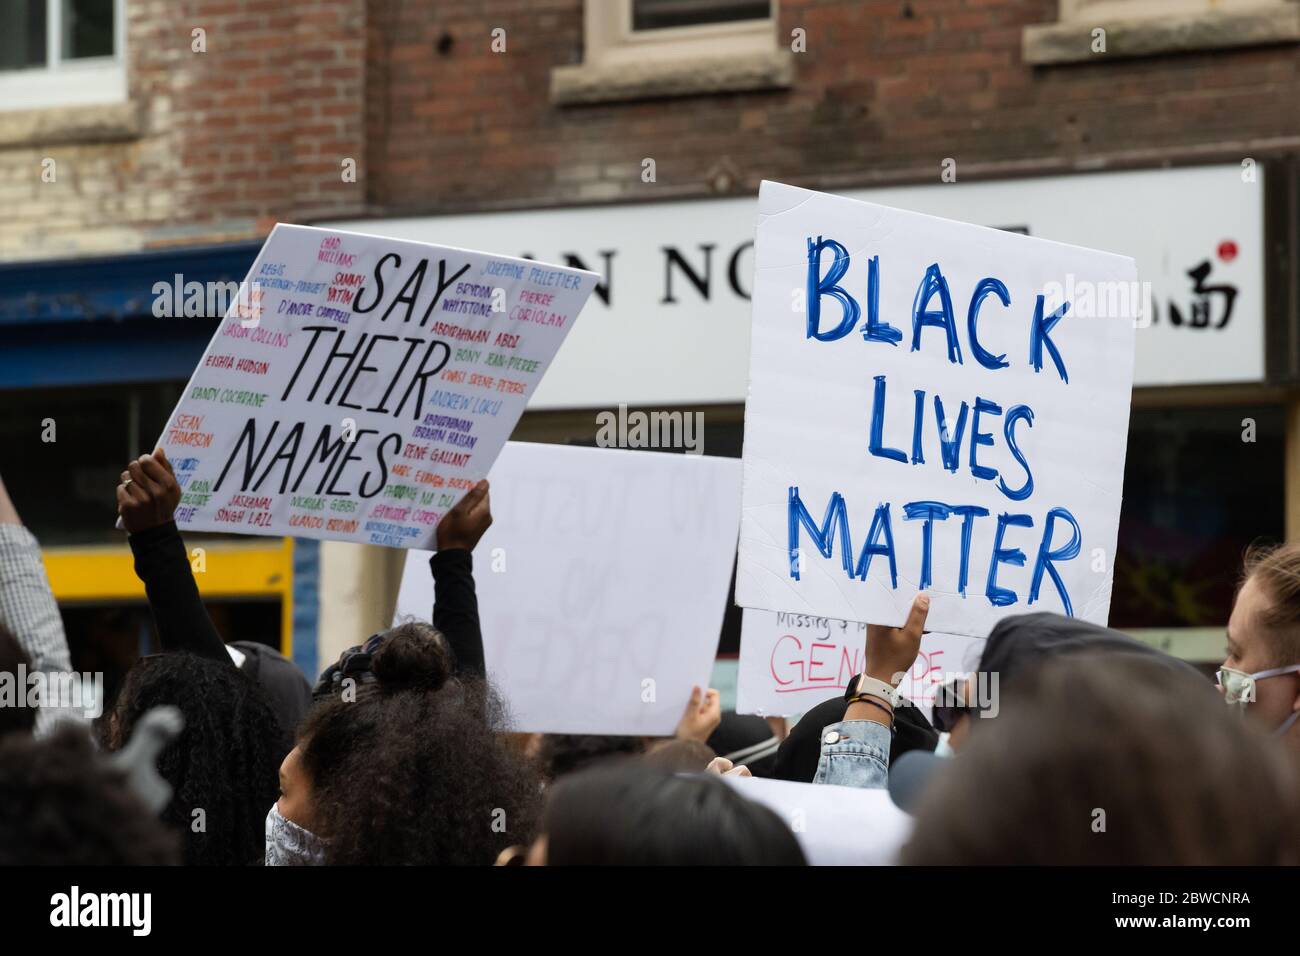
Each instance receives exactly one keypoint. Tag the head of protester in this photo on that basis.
(222, 766)
(680, 755)
(1017, 645)
(1090, 764)
(1262, 670)
(558, 755)
(412, 770)
(630, 813)
(64, 804)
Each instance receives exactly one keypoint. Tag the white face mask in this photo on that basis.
(288, 844)
(1239, 689)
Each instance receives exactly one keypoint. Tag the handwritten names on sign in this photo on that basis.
(360, 385)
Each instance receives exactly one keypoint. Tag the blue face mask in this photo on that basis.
(288, 844)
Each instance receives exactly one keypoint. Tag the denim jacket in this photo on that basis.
(855, 753)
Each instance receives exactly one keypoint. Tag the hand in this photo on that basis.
(724, 768)
(703, 714)
(148, 494)
(463, 525)
(891, 651)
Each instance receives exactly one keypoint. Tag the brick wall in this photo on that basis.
(885, 92)
(212, 146)
(218, 145)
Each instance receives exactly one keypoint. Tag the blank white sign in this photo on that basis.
(835, 826)
(601, 584)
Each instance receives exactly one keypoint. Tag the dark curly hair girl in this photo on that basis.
(415, 770)
(224, 763)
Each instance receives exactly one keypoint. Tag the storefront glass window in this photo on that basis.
(1197, 492)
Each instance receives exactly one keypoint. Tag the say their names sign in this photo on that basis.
(932, 406)
(361, 385)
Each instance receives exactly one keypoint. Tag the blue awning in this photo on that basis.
(91, 321)
(110, 288)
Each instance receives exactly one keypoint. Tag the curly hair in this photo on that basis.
(415, 771)
(62, 804)
(226, 762)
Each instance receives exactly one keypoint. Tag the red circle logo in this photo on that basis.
(1227, 250)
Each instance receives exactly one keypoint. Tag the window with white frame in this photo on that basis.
(640, 48)
(61, 53)
(1075, 9)
(1093, 29)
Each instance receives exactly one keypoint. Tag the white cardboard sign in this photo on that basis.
(835, 826)
(790, 663)
(601, 584)
(359, 386)
(932, 406)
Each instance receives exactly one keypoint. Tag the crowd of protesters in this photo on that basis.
(1100, 749)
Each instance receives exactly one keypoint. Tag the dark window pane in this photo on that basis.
(65, 489)
(87, 28)
(658, 14)
(108, 637)
(1195, 496)
(22, 39)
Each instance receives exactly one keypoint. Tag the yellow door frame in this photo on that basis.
(231, 569)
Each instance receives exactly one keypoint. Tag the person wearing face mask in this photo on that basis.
(401, 754)
(1262, 671)
(414, 772)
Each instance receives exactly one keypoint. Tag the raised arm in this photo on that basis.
(855, 751)
(146, 501)
(455, 605)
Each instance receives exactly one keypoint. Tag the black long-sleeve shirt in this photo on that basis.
(455, 609)
(162, 563)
